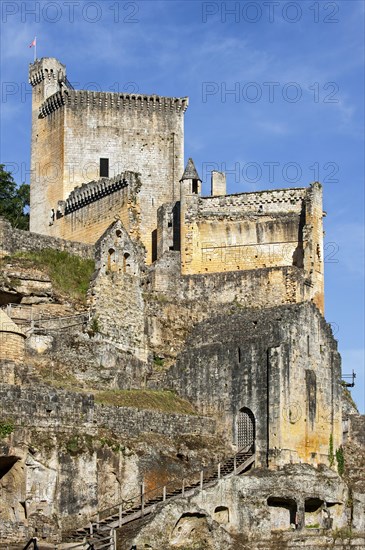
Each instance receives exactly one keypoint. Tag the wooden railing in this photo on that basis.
(145, 502)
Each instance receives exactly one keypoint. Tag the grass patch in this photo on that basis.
(69, 274)
(163, 401)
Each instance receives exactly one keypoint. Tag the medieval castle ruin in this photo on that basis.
(217, 300)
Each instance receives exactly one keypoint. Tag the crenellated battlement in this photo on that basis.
(56, 101)
(46, 69)
(258, 202)
(95, 190)
(110, 100)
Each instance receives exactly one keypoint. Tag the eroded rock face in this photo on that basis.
(260, 510)
(56, 476)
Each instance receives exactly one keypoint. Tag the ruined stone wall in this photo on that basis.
(357, 429)
(252, 231)
(245, 231)
(176, 302)
(16, 240)
(282, 364)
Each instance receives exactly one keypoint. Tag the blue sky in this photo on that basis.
(276, 98)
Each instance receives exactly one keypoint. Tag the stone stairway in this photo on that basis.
(100, 534)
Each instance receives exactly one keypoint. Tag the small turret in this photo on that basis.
(46, 76)
(190, 183)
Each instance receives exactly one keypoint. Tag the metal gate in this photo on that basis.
(245, 428)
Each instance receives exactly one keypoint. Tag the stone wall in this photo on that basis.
(16, 240)
(176, 302)
(116, 294)
(252, 231)
(46, 408)
(357, 429)
(280, 363)
(11, 346)
(47, 147)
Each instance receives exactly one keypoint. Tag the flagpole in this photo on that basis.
(35, 49)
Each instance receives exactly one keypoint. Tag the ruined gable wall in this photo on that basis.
(116, 294)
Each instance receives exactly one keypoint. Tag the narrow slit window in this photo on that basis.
(104, 168)
(195, 187)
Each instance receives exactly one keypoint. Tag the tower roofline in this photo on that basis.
(190, 172)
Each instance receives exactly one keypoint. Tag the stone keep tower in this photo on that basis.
(82, 136)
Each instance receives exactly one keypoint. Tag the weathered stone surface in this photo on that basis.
(68, 457)
(247, 360)
(244, 512)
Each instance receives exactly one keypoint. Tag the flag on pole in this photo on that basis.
(34, 43)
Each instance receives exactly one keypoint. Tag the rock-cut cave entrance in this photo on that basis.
(6, 464)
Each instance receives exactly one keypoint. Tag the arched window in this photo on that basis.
(111, 260)
(245, 428)
(126, 263)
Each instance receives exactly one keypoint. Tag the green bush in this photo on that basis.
(331, 456)
(340, 458)
(6, 428)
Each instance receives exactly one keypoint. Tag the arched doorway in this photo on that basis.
(245, 428)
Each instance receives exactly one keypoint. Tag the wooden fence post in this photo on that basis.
(142, 498)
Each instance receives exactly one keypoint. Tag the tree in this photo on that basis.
(14, 200)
